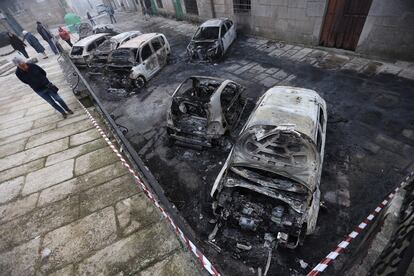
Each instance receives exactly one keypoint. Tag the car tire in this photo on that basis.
(139, 82)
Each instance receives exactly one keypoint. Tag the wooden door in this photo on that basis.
(343, 23)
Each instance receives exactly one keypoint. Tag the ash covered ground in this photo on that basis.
(365, 153)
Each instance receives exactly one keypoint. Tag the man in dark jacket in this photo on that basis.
(35, 77)
(17, 44)
(47, 36)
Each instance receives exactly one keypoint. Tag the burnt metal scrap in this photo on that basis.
(203, 109)
(270, 181)
(212, 40)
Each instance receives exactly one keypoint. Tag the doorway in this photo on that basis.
(344, 20)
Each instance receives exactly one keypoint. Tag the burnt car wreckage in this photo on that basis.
(99, 57)
(212, 40)
(136, 61)
(269, 185)
(267, 193)
(203, 109)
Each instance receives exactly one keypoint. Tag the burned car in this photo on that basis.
(138, 60)
(269, 184)
(100, 57)
(203, 109)
(83, 49)
(106, 28)
(212, 39)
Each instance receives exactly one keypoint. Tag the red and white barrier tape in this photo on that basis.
(358, 230)
(200, 256)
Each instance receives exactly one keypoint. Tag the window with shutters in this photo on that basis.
(191, 6)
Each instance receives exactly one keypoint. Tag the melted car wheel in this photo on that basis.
(139, 82)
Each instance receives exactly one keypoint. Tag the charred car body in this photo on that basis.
(138, 60)
(270, 181)
(212, 39)
(100, 56)
(203, 109)
(83, 49)
(85, 29)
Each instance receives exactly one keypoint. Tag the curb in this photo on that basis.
(318, 269)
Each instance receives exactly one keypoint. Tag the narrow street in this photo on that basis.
(370, 133)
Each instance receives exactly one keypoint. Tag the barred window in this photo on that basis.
(159, 4)
(241, 6)
(191, 6)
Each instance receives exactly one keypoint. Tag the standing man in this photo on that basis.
(34, 42)
(47, 36)
(111, 12)
(17, 44)
(35, 77)
(90, 18)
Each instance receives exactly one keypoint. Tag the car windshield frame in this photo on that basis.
(127, 53)
(207, 33)
(75, 49)
(263, 180)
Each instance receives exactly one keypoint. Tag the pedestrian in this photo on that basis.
(34, 42)
(47, 36)
(111, 12)
(64, 35)
(17, 44)
(36, 78)
(90, 18)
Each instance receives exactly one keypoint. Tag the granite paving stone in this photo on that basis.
(17, 208)
(132, 253)
(33, 154)
(107, 194)
(94, 160)
(21, 260)
(48, 176)
(10, 189)
(75, 241)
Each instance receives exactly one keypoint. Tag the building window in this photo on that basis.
(159, 4)
(241, 6)
(191, 6)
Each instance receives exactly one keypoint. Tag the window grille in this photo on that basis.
(241, 6)
(191, 6)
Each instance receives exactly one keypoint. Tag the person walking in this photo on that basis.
(90, 18)
(111, 13)
(34, 42)
(64, 35)
(47, 36)
(36, 78)
(17, 44)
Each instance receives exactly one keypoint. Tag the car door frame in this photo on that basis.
(231, 31)
(226, 38)
(158, 53)
(148, 73)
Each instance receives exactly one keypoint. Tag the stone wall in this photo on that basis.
(389, 30)
(292, 20)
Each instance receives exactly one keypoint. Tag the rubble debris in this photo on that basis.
(243, 246)
(303, 264)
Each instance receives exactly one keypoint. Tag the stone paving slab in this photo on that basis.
(67, 204)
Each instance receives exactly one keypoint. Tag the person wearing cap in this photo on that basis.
(36, 78)
(34, 42)
(47, 36)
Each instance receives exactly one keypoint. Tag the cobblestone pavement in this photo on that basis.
(67, 205)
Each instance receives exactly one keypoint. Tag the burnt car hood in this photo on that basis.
(197, 44)
(280, 150)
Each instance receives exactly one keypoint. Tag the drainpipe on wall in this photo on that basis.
(213, 9)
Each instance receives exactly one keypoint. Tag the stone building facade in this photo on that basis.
(386, 30)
